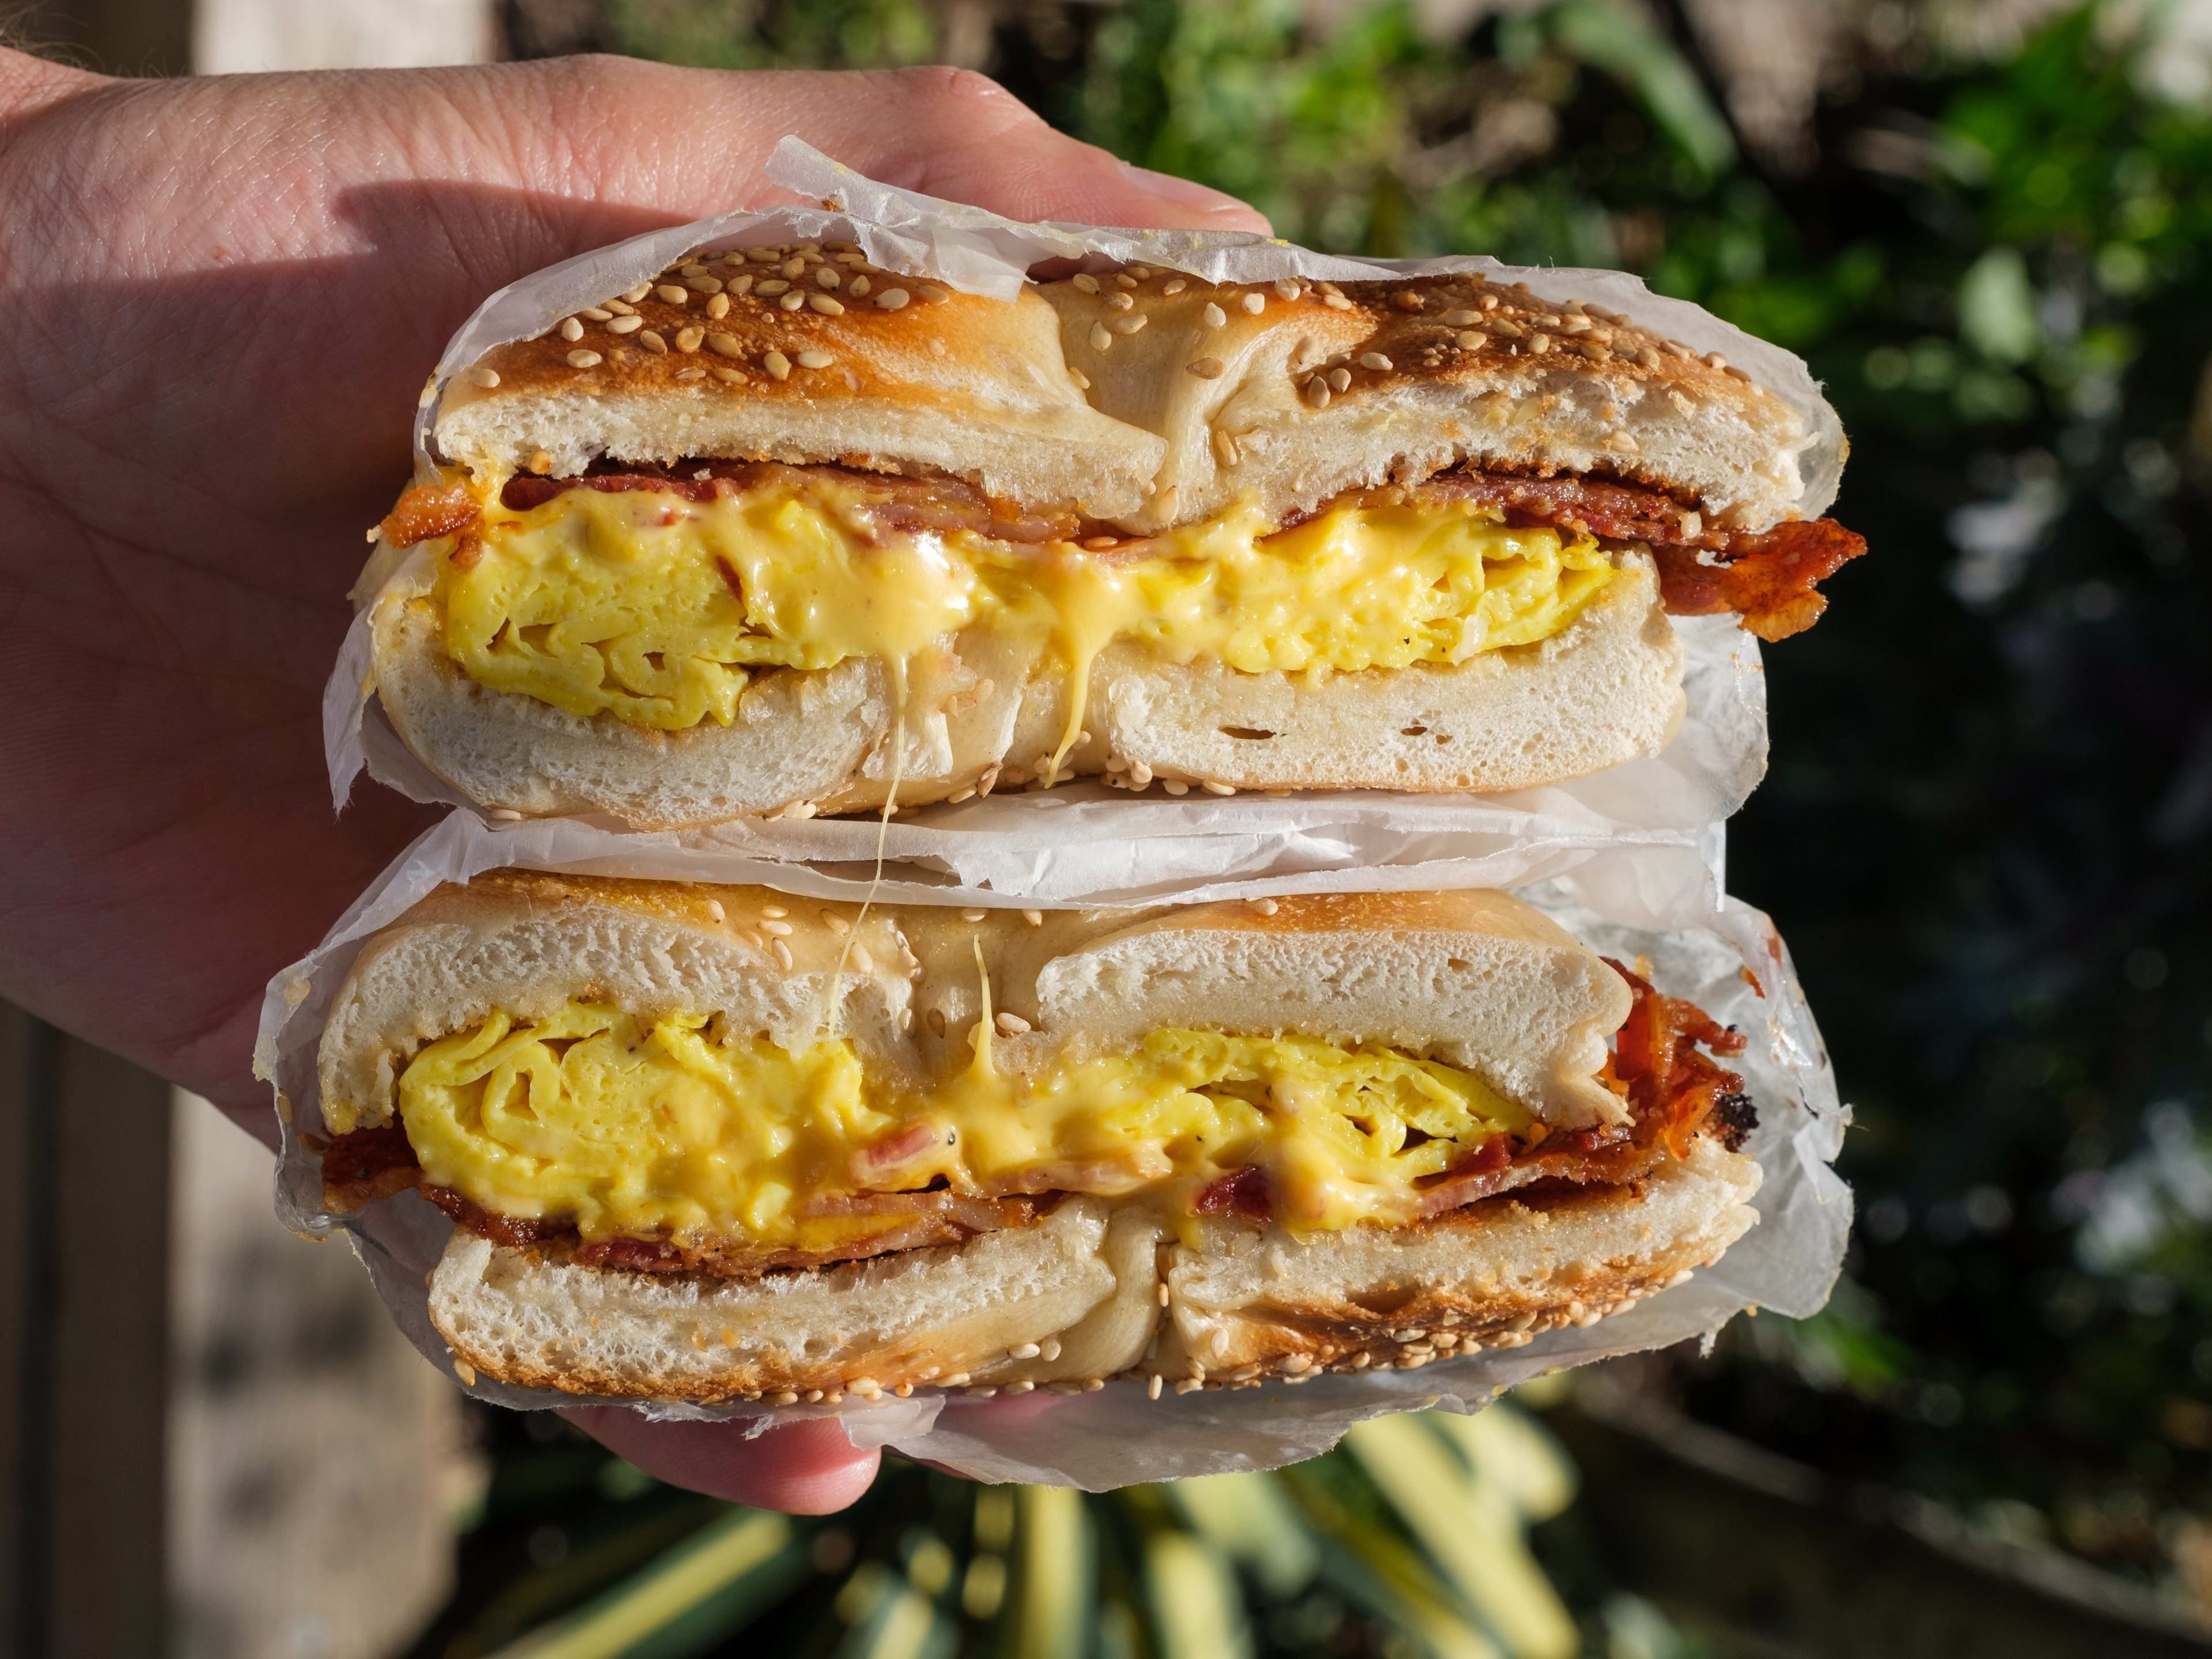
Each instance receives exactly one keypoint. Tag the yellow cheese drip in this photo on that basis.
(627, 1128)
(650, 607)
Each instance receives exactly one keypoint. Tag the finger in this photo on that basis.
(801, 1469)
(690, 143)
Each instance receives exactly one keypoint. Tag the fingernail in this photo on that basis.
(1184, 192)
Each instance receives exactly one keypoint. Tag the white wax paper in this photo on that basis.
(1659, 897)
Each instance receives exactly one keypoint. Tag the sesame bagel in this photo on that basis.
(713, 1142)
(783, 532)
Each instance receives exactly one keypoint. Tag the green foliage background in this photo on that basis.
(1986, 831)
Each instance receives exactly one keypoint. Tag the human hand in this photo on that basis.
(223, 296)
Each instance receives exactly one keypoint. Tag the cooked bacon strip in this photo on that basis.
(892, 504)
(1767, 579)
(367, 1165)
(428, 512)
(1672, 1088)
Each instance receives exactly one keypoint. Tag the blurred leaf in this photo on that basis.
(699, 1591)
(1471, 1529)
(1249, 1519)
(1195, 1606)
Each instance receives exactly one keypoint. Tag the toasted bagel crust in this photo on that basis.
(1075, 1300)
(1126, 402)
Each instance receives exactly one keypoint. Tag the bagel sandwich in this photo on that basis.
(718, 1144)
(784, 533)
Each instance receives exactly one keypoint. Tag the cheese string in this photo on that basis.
(831, 1019)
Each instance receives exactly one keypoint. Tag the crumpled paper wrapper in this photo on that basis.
(1661, 898)
(1701, 777)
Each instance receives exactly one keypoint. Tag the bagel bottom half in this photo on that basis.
(1093, 1289)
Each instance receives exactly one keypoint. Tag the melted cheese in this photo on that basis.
(666, 1129)
(654, 608)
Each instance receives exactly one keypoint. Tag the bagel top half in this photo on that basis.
(1142, 399)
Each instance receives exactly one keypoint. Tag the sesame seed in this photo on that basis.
(1082, 380)
(585, 360)
(689, 339)
(775, 924)
(1471, 340)
(628, 325)
(1213, 316)
(703, 284)
(1339, 380)
(1177, 286)
(1214, 786)
(715, 909)
(1540, 343)
(794, 301)
(725, 345)
(1714, 360)
(737, 285)
(795, 267)
(891, 297)
(1205, 368)
(1173, 786)
(1225, 450)
(691, 268)
(765, 256)
(1287, 289)
(1100, 337)
(719, 307)
(825, 305)
(931, 295)
(1120, 301)
(540, 462)
(1623, 442)
(1020, 1387)
(1254, 303)
(1025, 1350)
(771, 287)
(814, 360)
(858, 288)
(1130, 325)
(483, 378)
(595, 313)
(1266, 907)
(1317, 392)
(1407, 299)
(653, 342)
(1461, 317)
(781, 952)
(1086, 281)
(1374, 359)
(694, 373)
(777, 364)
(1152, 1387)
(1126, 279)
(829, 276)
(571, 329)
(632, 295)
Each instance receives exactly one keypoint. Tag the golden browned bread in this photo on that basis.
(1091, 1292)
(1143, 397)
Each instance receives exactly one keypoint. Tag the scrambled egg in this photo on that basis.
(666, 1129)
(653, 608)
